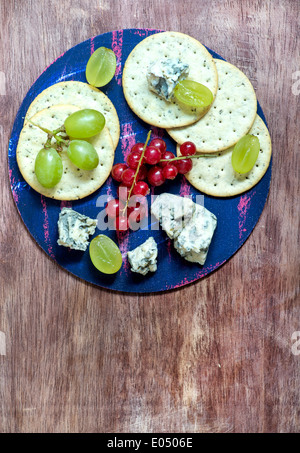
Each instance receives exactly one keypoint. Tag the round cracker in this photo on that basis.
(75, 183)
(230, 117)
(147, 105)
(215, 176)
(83, 96)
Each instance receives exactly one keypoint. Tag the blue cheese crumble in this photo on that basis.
(190, 225)
(74, 229)
(172, 212)
(143, 259)
(163, 76)
(194, 240)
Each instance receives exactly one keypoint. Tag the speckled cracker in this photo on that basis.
(230, 117)
(75, 183)
(147, 105)
(83, 96)
(215, 175)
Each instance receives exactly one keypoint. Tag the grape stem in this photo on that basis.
(137, 171)
(48, 132)
(58, 138)
(52, 134)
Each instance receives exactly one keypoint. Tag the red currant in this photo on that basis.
(184, 165)
(121, 223)
(155, 176)
(138, 148)
(128, 177)
(123, 192)
(138, 207)
(167, 155)
(136, 214)
(117, 171)
(114, 207)
(152, 155)
(188, 149)
(141, 188)
(170, 171)
(133, 159)
(142, 174)
(159, 143)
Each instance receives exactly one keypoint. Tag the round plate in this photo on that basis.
(236, 216)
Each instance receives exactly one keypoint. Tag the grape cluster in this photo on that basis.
(80, 125)
(139, 173)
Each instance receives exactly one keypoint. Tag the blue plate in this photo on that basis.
(237, 215)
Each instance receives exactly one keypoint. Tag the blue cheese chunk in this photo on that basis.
(195, 238)
(172, 212)
(163, 76)
(189, 224)
(74, 229)
(143, 259)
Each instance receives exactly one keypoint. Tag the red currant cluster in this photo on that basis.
(154, 168)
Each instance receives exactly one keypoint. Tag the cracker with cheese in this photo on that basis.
(152, 70)
(230, 117)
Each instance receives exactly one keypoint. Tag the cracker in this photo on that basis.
(74, 183)
(215, 175)
(83, 96)
(147, 105)
(230, 117)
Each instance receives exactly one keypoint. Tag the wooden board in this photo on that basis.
(215, 356)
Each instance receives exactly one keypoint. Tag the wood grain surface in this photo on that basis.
(219, 355)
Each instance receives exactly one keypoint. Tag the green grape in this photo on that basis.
(193, 94)
(101, 67)
(245, 153)
(48, 167)
(84, 123)
(105, 254)
(83, 155)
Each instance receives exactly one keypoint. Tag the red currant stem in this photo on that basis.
(194, 156)
(136, 172)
